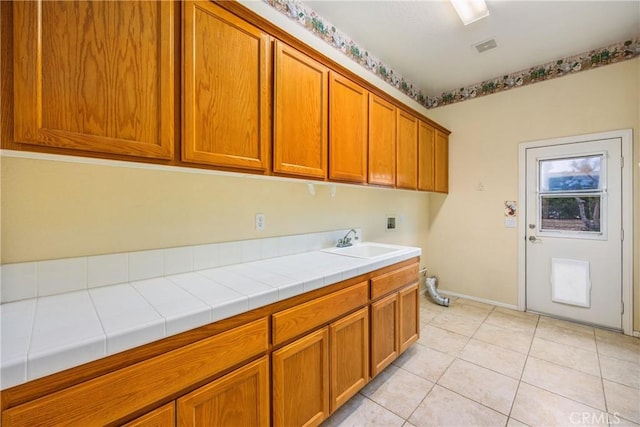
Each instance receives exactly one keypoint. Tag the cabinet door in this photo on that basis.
(95, 76)
(426, 157)
(164, 416)
(348, 119)
(384, 333)
(300, 114)
(442, 162)
(406, 151)
(409, 314)
(113, 396)
(382, 142)
(349, 342)
(226, 89)
(240, 398)
(301, 381)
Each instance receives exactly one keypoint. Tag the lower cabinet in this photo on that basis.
(164, 416)
(301, 381)
(315, 375)
(239, 398)
(395, 325)
(409, 315)
(384, 333)
(349, 364)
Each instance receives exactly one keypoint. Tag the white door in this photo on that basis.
(573, 230)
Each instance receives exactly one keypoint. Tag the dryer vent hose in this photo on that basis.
(431, 288)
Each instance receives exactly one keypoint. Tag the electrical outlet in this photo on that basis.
(260, 221)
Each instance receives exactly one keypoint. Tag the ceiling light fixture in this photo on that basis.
(470, 11)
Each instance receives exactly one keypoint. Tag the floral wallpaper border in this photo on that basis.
(319, 26)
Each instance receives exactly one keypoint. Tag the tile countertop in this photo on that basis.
(44, 335)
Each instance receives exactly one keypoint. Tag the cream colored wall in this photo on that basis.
(53, 209)
(468, 246)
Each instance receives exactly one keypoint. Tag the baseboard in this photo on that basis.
(483, 300)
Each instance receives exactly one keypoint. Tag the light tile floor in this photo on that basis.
(480, 365)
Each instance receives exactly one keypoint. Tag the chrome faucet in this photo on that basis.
(346, 240)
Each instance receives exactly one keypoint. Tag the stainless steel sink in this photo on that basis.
(365, 250)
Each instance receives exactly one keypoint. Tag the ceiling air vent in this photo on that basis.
(485, 45)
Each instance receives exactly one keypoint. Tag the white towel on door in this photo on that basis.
(570, 282)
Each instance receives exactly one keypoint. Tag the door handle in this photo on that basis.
(533, 239)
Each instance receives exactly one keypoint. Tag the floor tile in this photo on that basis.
(475, 304)
(571, 357)
(360, 411)
(397, 390)
(564, 324)
(496, 358)
(515, 423)
(442, 407)
(576, 385)
(618, 346)
(517, 313)
(616, 421)
(427, 314)
(457, 322)
(505, 338)
(515, 323)
(566, 336)
(468, 311)
(441, 340)
(480, 384)
(623, 400)
(536, 407)
(424, 362)
(620, 371)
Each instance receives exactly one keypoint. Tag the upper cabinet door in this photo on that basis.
(426, 157)
(226, 89)
(348, 119)
(382, 142)
(442, 162)
(300, 114)
(407, 151)
(95, 76)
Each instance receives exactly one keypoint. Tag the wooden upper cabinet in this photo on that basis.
(442, 162)
(300, 114)
(95, 76)
(348, 119)
(406, 151)
(382, 142)
(426, 156)
(225, 89)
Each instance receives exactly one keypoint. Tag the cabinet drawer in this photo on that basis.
(393, 280)
(295, 321)
(115, 395)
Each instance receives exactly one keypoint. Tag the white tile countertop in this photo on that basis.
(48, 334)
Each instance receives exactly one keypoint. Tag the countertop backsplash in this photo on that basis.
(26, 280)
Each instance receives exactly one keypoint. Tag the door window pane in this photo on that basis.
(572, 174)
(571, 213)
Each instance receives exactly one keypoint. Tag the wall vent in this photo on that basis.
(485, 45)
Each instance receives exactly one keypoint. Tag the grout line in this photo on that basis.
(526, 360)
(604, 393)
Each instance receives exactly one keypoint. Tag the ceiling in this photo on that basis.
(425, 42)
